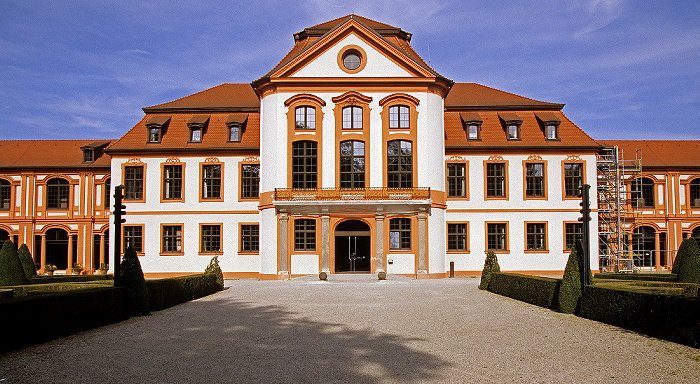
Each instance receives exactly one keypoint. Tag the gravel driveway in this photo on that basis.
(354, 329)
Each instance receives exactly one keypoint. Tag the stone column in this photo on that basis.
(43, 251)
(70, 254)
(283, 272)
(325, 242)
(657, 250)
(422, 264)
(379, 241)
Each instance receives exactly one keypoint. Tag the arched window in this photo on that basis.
(399, 164)
(352, 117)
(398, 117)
(644, 246)
(5, 194)
(695, 193)
(352, 164)
(643, 193)
(108, 186)
(304, 164)
(57, 193)
(305, 117)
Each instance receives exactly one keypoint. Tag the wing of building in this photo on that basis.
(352, 154)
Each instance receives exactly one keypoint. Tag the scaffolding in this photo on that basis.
(618, 209)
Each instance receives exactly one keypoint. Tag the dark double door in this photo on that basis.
(352, 247)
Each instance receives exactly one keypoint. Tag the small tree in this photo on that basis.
(687, 264)
(490, 266)
(571, 289)
(132, 279)
(11, 272)
(214, 268)
(27, 262)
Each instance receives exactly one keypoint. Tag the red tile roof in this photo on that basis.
(320, 29)
(660, 153)
(49, 154)
(224, 97)
(465, 96)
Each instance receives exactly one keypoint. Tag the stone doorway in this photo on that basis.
(352, 247)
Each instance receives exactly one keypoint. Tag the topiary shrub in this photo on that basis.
(490, 266)
(687, 264)
(11, 271)
(27, 262)
(215, 269)
(571, 289)
(131, 278)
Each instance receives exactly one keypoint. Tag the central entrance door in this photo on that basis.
(352, 247)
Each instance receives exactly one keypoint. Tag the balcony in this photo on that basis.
(338, 194)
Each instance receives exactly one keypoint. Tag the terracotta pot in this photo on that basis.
(101, 271)
(48, 273)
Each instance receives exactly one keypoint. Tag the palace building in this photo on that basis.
(352, 154)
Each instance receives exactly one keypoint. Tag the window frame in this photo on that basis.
(309, 180)
(309, 110)
(536, 236)
(527, 178)
(203, 179)
(449, 179)
(404, 235)
(6, 189)
(107, 195)
(253, 183)
(192, 131)
(305, 235)
(249, 243)
(126, 236)
(573, 235)
(211, 237)
(694, 189)
(451, 235)
(405, 178)
(647, 190)
(495, 178)
(61, 191)
(490, 235)
(234, 128)
(566, 180)
(177, 183)
(513, 128)
(158, 131)
(403, 114)
(131, 185)
(355, 181)
(177, 238)
(353, 118)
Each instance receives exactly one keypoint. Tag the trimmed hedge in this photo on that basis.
(11, 271)
(39, 318)
(42, 279)
(674, 318)
(165, 293)
(667, 277)
(490, 266)
(541, 291)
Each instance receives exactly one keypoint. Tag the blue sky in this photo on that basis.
(84, 69)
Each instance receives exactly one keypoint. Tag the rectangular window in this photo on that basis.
(400, 234)
(211, 238)
(573, 232)
(133, 183)
(57, 193)
(473, 132)
(456, 180)
(250, 181)
(457, 237)
(495, 180)
(497, 236)
(573, 179)
(352, 164)
(250, 241)
(304, 235)
(172, 239)
(154, 135)
(695, 193)
(352, 118)
(305, 118)
(172, 182)
(133, 237)
(513, 132)
(399, 164)
(196, 135)
(304, 167)
(552, 133)
(534, 180)
(211, 181)
(5, 194)
(398, 117)
(536, 234)
(234, 133)
(88, 156)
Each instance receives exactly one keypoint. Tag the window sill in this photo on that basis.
(248, 253)
(215, 253)
(455, 251)
(503, 251)
(172, 254)
(537, 251)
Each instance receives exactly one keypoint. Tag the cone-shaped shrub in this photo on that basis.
(214, 268)
(687, 263)
(27, 262)
(11, 272)
(571, 289)
(132, 279)
(490, 266)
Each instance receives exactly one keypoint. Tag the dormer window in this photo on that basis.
(196, 125)
(88, 155)
(236, 124)
(156, 125)
(551, 131)
(471, 122)
(512, 122)
(550, 124)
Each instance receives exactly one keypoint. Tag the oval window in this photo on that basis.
(351, 61)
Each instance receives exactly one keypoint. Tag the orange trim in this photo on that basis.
(535, 160)
(496, 160)
(221, 242)
(135, 163)
(572, 159)
(182, 239)
(486, 237)
(466, 180)
(546, 237)
(294, 135)
(447, 237)
(143, 234)
(348, 99)
(173, 161)
(391, 134)
(240, 179)
(206, 162)
(240, 239)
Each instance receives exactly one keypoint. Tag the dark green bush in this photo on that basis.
(571, 290)
(11, 271)
(490, 266)
(541, 291)
(687, 263)
(43, 279)
(27, 262)
(214, 268)
(135, 284)
(664, 277)
(165, 293)
(674, 318)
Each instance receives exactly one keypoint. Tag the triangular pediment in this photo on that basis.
(382, 56)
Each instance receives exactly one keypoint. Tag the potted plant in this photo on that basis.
(104, 267)
(48, 269)
(77, 268)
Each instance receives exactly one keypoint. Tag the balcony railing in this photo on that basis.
(325, 194)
